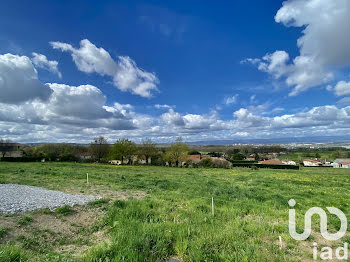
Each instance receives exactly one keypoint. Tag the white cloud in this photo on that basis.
(301, 74)
(323, 45)
(342, 88)
(41, 61)
(127, 76)
(344, 101)
(85, 101)
(19, 80)
(274, 64)
(231, 99)
(325, 36)
(158, 106)
(172, 118)
(131, 78)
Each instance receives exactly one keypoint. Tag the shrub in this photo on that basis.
(206, 162)
(217, 163)
(191, 163)
(254, 167)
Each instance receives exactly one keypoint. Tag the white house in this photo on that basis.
(115, 162)
(289, 162)
(341, 163)
(311, 162)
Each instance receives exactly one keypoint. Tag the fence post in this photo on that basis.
(212, 206)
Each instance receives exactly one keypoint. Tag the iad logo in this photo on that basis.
(323, 223)
(326, 252)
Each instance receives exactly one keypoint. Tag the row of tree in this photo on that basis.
(124, 149)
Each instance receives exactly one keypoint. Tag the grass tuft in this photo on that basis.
(64, 210)
(24, 220)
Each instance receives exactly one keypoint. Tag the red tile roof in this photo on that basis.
(271, 162)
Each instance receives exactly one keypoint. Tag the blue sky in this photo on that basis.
(72, 70)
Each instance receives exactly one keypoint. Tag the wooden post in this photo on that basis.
(281, 244)
(212, 206)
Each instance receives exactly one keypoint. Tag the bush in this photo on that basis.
(206, 162)
(217, 163)
(254, 167)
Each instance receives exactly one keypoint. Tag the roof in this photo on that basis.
(194, 157)
(249, 159)
(271, 162)
(312, 160)
(343, 161)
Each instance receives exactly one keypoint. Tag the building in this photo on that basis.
(193, 157)
(289, 162)
(311, 162)
(85, 156)
(115, 162)
(341, 163)
(271, 162)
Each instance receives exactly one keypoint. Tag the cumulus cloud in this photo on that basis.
(323, 45)
(172, 118)
(326, 25)
(19, 80)
(342, 88)
(41, 61)
(85, 101)
(73, 106)
(126, 75)
(301, 74)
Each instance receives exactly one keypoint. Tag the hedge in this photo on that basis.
(265, 166)
(244, 162)
(20, 159)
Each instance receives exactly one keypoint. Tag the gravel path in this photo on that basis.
(18, 198)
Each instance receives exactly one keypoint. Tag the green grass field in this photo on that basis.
(152, 213)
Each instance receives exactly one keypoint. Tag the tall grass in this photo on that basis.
(175, 218)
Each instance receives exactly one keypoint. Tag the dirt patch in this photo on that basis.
(72, 234)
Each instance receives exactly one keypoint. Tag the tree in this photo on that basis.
(148, 149)
(99, 148)
(123, 149)
(336, 154)
(5, 147)
(194, 152)
(317, 155)
(177, 152)
(237, 156)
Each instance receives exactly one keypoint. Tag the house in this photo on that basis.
(115, 162)
(311, 162)
(249, 159)
(341, 163)
(84, 156)
(193, 157)
(289, 162)
(271, 162)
